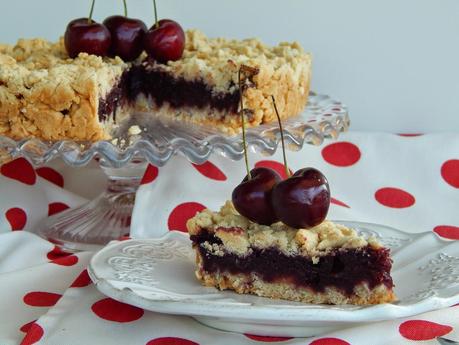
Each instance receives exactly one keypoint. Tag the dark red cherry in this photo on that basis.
(302, 200)
(165, 42)
(252, 198)
(127, 37)
(84, 36)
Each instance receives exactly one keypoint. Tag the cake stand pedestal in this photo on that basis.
(155, 140)
(94, 224)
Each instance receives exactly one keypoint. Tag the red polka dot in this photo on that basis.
(25, 328)
(34, 334)
(423, 330)
(339, 203)
(82, 280)
(150, 174)
(111, 310)
(276, 166)
(409, 134)
(56, 253)
(181, 213)
(20, 170)
(171, 341)
(51, 175)
(329, 341)
(394, 197)
(450, 172)
(66, 260)
(41, 299)
(266, 339)
(56, 207)
(208, 169)
(342, 154)
(17, 218)
(447, 231)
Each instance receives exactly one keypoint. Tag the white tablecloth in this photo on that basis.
(411, 183)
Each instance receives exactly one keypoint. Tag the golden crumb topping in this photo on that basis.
(219, 59)
(238, 234)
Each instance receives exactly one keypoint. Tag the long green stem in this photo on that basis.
(125, 8)
(91, 11)
(244, 141)
(156, 14)
(287, 171)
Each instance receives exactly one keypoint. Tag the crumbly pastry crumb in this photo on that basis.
(313, 242)
(45, 94)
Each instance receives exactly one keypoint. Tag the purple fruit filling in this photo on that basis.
(161, 87)
(341, 268)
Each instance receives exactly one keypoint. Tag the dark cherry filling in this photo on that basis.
(342, 268)
(146, 79)
(109, 105)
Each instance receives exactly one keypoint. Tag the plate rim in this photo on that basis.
(299, 313)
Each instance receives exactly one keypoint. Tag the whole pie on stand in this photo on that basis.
(46, 94)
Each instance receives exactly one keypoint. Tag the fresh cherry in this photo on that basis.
(84, 35)
(252, 197)
(165, 41)
(127, 36)
(302, 200)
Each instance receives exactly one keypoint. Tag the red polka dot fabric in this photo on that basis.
(17, 218)
(56, 207)
(423, 330)
(34, 334)
(210, 170)
(150, 174)
(181, 213)
(394, 197)
(407, 182)
(341, 154)
(267, 339)
(111, 310)
(20, 170)
(51, 175)
(41, 299)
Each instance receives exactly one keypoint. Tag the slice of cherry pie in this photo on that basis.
(328, 263)
(46, 94)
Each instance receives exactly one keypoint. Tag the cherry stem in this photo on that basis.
(156, 14)
(91, 11)
(287, 172)
(125, 8)
(244, 141)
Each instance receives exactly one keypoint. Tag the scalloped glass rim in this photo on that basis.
(161, 139)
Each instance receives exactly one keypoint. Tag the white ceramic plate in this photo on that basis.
(158, 275)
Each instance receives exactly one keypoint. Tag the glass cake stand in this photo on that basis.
(147, 139)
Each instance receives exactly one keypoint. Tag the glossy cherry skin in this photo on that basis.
(165, 42)
(302, 200)
(127, 37)
(82, 36)
(252, 198)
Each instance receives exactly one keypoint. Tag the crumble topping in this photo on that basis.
(43, 91)
(218, 59)
(314, 242)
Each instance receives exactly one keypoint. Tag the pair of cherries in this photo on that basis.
(125, 37)
(300, 201)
